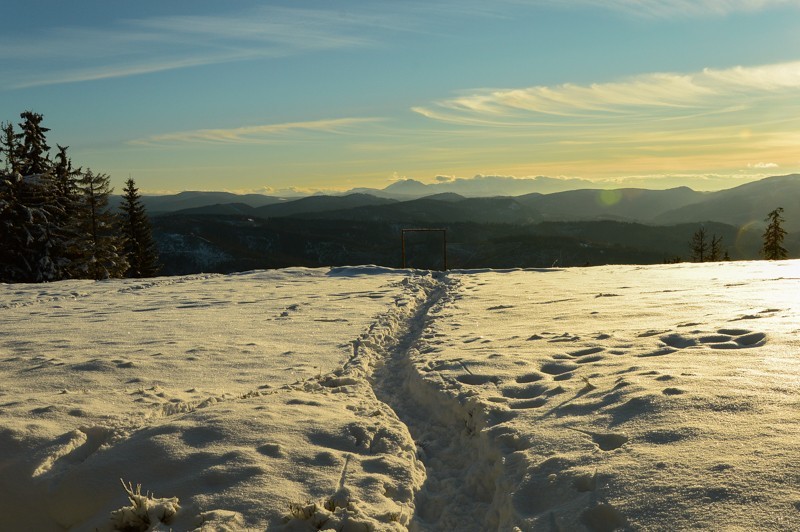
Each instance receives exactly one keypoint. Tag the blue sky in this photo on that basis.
(269, 96)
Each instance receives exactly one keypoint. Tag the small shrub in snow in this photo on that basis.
(145, 512)
(338, 512)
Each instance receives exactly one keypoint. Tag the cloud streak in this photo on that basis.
(260, 134)
(137, 46)
(659, 9)
(667, 94)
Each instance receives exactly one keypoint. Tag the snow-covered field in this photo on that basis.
(654, 398)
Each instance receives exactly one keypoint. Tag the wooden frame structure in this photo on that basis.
(424, 230)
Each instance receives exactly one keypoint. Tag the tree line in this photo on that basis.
(55, 219)
(705, 250)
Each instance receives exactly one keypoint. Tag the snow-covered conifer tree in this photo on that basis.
(100, 246)
(67, 198)
(28, 207)
(33, 149)
(140, 248)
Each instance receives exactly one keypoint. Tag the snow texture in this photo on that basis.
(365, 398)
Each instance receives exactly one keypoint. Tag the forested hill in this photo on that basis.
(215, 243)
(575, 228)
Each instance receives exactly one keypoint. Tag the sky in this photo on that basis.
(273, 97)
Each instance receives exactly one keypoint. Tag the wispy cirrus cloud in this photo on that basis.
(667, 95)
(669, 8)
(259, 134)
(137, 46)
(712, 120)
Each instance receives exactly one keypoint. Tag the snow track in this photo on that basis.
(466, 486)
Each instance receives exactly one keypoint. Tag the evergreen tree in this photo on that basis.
(773, 249)
(14, 219)
(8, 146)
(140, 249)
(28, 207)
(99, 248)
(28, 246)
(33, 149)
(65, 181)
(715, 251)
(699, 245)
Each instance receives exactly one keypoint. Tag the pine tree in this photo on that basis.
(773, 249)
(715, 251)
(8, 146)
(28, 246)
(99, 247)
(28, 208)
(33, 148)
(140, 249)
(699, 246)
(65, 180)
(14, 220)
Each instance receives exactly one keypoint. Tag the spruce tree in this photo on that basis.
(100, 246)
(33, 148)
(14, 219)
(699, 246)
(9, 147)
(140, 249)
(715, 251)
(65, 181)
(29, 211)
(28, 251)
(773, 249)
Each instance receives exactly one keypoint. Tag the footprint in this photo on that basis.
(733, 332)
(751, 340)
(672, 391)
(740, 339)
(725, 345)
(530, 403)
(524, 392)
(529, 377)
(590, 358)
(566, 337)
(607, 441)
(651, 332)
(602, 518)
(678, 341)
(659, 352)
(476, 380)
(587, 351)
(715, 338)
(557, 368)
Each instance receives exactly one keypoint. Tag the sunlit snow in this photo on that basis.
(625, 397)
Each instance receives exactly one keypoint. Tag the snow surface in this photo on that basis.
(623, 397)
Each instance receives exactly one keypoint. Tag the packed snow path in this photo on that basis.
(652, 398)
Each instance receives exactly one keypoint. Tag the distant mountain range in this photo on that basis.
(223, 232)
(742, 205)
